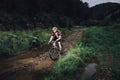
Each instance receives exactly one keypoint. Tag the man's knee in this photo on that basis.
(59, 43)
(60, 46)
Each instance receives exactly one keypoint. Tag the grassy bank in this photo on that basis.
(97, 42)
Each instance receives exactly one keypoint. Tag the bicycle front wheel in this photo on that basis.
(54, 53)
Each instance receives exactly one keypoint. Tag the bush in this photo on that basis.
(41, 20)
(51, 20)
(115, 26)
(95, 45)
(13, 42)
(91, 23)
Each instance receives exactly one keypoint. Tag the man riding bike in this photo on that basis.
(56, 36)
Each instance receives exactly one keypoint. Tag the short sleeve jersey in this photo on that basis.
(56, 35)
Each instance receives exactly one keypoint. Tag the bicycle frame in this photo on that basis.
(54, 44)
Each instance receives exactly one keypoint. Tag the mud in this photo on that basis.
(34, 64)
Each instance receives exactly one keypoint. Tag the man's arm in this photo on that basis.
(51, 38)
(58, 38)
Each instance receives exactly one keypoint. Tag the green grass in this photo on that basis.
(13, 42)
(106, 40)
(96, 43)
(114, 48)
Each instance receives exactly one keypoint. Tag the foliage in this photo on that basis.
(51, 20)
(40, 20)
(91, 22)
(96, 43)
(13, 42)
(70, 8)
(114, 49)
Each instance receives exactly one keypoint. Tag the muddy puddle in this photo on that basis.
(27, 65)
(90, 70)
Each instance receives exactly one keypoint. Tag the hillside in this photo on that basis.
(32, 7)
(102, 10)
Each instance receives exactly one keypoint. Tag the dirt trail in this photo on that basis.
(34, 64)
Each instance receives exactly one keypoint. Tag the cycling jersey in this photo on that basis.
(56, 35)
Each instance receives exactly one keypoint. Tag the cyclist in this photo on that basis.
(56, 36)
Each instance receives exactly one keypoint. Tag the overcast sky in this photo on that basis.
(94, 2)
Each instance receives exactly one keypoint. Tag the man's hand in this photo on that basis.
(49, 42)
(50, 39)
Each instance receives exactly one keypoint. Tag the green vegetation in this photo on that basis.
(97, 42)
(13, 42)
(41, 20)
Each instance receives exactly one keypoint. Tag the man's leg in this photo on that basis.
(60, 46)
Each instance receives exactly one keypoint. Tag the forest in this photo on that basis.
(27, 14)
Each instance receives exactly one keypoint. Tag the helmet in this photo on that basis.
(54, 28)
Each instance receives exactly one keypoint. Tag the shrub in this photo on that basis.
(95, 45)
(13, 42)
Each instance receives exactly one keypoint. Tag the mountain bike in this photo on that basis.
(54, 51)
